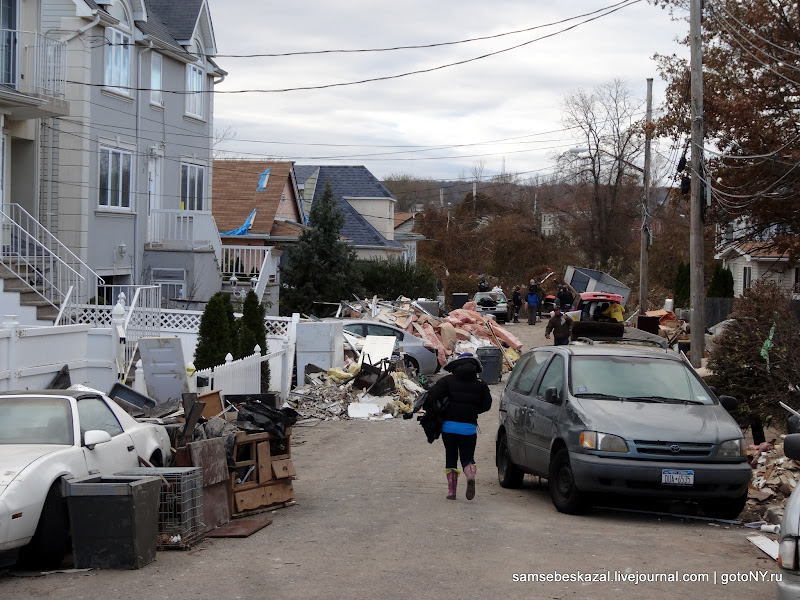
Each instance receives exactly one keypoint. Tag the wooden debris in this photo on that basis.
(774, 476)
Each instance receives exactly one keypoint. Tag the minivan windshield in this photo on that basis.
(635, 378)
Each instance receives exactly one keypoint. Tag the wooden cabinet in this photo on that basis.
(263, 472)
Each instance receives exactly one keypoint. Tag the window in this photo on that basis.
(172, 282)
(195, 89)
(384, 331)
(553, 377)
(747, 276)
(192, 178)
(94, 414)
(156, 97)
(523, 378)
(115, 178)
(118, 59)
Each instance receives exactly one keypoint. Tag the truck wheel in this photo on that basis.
(50, 542)
(565, 496)
(724, 508)
(508, 474)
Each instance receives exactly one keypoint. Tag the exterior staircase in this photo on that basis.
(30, 295)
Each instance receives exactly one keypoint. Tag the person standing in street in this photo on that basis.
(516, 299)
(467, 397)
(560, 326)
(534, 302)
(565, 296)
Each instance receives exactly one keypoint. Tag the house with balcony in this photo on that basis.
(259, 211)
(110, 160)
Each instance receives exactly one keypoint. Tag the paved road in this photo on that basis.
(372, 521)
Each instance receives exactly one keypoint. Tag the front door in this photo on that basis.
(110, 457)
(517, 401)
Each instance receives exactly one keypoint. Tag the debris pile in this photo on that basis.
(463, 330)
(332, 395)
(774, 477)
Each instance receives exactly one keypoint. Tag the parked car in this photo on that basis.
(492, 304)
(47, 436)
(420, 354)
(620, 419)
(789, 550)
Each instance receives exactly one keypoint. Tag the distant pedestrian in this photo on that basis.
(467, 397)
(564, 296)
(561, 327)
(534, 302)
(516, 299)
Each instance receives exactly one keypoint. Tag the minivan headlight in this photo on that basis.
(731, 449)
(605, 442)
(788, 554)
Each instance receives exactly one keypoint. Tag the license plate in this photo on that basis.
(677, 477)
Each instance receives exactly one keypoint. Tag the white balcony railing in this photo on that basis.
(185, 230)
(32, 63)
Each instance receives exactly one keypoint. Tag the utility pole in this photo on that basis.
(644, 251)
(697, 279)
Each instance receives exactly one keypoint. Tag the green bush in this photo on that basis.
(217, 333)
(682, 286)
(721, 285)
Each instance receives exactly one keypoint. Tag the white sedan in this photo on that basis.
(48, 436)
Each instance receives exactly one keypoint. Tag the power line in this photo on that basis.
(372, 79)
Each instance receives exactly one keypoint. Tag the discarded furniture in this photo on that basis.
(263, 472)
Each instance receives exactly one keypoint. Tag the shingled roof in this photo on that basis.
(235, 195)
(179, 18)
(355, 182)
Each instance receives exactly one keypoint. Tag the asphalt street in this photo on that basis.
(372, 521)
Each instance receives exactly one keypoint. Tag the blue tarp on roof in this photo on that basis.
(243, 229)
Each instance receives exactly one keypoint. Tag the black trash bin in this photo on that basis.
(113, 521)
(459, 300)
(491, 359)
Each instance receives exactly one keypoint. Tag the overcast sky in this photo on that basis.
(398, 125)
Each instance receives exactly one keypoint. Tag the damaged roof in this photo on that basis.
(239, 186)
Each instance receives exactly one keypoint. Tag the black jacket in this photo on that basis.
(467, 395)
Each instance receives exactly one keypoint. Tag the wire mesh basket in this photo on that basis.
(180, 507)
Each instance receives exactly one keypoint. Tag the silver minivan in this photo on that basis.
(620, 419)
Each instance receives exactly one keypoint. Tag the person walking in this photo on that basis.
(516, 299)
(467, 397)
(534, 302)
(560, 325)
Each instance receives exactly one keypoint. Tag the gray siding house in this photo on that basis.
(127, 176)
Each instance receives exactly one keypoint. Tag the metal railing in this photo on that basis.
(185, 230)
(32, 63)
(246, 262)
(38, 258)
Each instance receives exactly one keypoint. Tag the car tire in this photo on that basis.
(50, 542)
(412, 367)
(724, 508)
(508, 474)
(566, 497)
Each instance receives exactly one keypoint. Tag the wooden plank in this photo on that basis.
(213, 402)
(264, 462)
(210, 456)
(250, 499)
(240, 528)
(768, 546)
(283, 468)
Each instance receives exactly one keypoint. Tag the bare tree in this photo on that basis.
(221, 136)
(605, 180)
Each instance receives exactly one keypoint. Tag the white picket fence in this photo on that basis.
(243, 376)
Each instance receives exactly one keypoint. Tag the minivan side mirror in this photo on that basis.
(791, 446)
(552, 396)
(729, 403)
